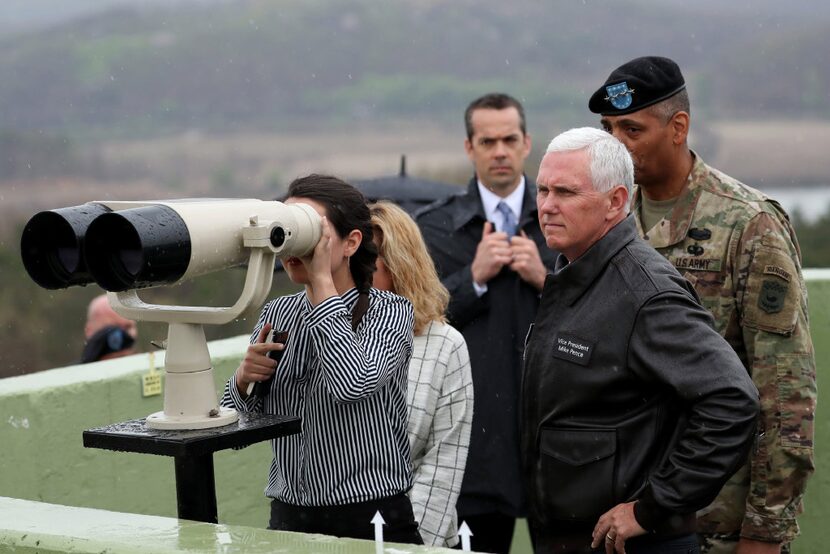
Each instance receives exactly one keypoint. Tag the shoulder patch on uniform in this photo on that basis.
(772, 296)
(778, 272)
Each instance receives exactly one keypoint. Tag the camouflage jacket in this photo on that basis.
(738, 249)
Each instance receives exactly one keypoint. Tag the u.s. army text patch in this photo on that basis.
(697, 264)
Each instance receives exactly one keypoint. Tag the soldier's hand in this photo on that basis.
(748, 546)
(527, 262)
(614, 527)
(492, 253)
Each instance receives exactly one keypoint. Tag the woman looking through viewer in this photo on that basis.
(440, 392)
(343, 371)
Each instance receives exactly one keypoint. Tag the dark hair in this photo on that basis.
(666, 109)
(346, 210)
(493, 101)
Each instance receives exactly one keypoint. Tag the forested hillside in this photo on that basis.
(263, 65)
(106, 99)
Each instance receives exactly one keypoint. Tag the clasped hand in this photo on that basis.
(519, 253)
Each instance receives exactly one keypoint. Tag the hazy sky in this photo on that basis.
(22, 14)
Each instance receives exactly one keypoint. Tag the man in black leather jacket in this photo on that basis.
(634, 410)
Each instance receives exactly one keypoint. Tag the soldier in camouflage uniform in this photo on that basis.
(738, 248)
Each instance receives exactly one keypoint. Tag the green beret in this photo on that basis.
(637, 84)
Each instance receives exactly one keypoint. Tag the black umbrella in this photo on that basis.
(409, 193)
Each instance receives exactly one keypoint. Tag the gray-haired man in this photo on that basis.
(634, 410)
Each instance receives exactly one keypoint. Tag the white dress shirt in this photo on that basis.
(489, 201)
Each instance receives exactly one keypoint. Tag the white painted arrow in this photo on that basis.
(378, 522)
(465, 534)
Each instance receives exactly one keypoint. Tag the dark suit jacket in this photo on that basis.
(494, 326)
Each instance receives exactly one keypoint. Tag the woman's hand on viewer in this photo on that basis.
(318, 266)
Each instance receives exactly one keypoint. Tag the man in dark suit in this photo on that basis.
(490, 254)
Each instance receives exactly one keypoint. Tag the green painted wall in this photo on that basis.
(34, 527)
(42, 416)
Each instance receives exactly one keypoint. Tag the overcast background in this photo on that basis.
(104, 99)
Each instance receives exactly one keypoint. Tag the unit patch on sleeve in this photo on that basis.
(778, 272)
(773, 294)
(773, 291)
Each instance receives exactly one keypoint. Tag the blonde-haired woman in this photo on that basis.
(440, 391)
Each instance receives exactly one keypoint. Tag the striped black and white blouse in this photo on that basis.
(349, 389)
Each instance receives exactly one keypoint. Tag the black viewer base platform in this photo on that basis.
(192, 451)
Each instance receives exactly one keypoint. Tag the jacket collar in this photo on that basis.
(674, 228)
(571, 280)
(469, 207)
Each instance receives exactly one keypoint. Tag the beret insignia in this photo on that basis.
(619, 95)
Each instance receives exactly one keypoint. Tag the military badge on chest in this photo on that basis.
(698, 234)
(696, 261)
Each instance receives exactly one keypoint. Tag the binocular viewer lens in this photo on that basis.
(137, 248)
(52, 246)
(121, 250)
(124, 245)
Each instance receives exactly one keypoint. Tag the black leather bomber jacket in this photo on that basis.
(628, 393)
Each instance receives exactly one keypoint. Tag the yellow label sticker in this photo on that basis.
(151, 381)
